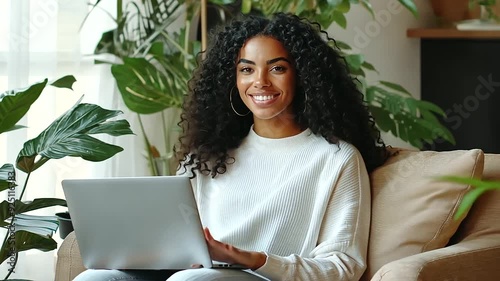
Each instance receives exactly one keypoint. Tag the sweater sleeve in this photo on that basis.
(340, 254)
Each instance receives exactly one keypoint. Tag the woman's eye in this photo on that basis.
(246, 70)
(278, 68)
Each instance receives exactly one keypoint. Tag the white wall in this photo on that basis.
(384, 43)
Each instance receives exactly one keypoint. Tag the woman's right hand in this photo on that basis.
(229, 254)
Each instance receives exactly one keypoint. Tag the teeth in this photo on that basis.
(263, 98)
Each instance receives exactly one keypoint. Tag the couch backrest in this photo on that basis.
(412, 212)
(484, 216)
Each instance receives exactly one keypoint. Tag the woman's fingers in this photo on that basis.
(208, 235)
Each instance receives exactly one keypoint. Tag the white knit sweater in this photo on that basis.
(302, 201)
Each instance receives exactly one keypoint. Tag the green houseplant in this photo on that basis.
(69, 135)
(156, 62)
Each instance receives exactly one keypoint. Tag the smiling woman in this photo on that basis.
(284, 190)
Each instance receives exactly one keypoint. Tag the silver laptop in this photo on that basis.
(137, 223)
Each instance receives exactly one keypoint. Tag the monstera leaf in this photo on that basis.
(69, 135)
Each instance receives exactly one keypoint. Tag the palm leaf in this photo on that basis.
(143, 87)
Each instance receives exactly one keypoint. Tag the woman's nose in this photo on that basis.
(262, 80)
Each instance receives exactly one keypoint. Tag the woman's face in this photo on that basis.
(265, 77)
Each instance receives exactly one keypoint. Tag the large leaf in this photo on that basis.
(143, 87)
(23, 207)
(69, 136)
(27, 241)
(7, 177)
(15, 104)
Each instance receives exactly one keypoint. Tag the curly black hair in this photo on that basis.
(326, 99)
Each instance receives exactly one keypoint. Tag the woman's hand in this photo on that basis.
(227, 253)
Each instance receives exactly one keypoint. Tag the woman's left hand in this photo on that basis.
(228, 253)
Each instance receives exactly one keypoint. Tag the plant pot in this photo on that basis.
(450, 11)
(65, 224)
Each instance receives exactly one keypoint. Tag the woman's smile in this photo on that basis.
(264, 98)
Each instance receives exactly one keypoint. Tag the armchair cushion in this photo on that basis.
(411, 211)
(472, 260)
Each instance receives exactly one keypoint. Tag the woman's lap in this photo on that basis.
(207, 274)
(112, 275)
(201, 274)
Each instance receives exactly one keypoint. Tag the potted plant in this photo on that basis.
(65, 224)
(448, 12)
(69, 135)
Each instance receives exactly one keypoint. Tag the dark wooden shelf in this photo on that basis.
(457, 70)
(451, 33)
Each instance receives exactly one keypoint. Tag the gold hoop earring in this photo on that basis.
(231, 103)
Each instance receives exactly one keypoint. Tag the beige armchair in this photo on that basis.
(413, 234)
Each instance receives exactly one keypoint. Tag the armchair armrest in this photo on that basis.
(69, 262)
(469, 260)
